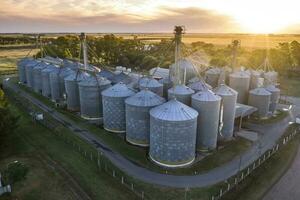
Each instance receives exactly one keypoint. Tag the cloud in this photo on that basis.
(195, 20)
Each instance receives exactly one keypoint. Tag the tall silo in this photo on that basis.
(182, 93)
(260, 98)
(37, 77)
(208, 106)
(113, 100)
(28, 71)
(240, 82)
(270, 77)
(255, 79)
(46, 86)
(152, 85)
(275, 95)
(90, 89)
(64, 72)
(21, 69)
(229, 98)
(55, 85)
(199, 86)
(72, 91)
(173, 129)
(138, 117)
(167, 84)
(186, 70)
(212, 77)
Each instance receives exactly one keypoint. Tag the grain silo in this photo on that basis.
(106, 74)
(260, 99)
(64, 72)
(173, 127)
(186, 70)
(90, 89)
(138, 117)
(275, 95)
(182, 93)
(212, 76)
(229, 98)
(199, 86)
(167, 84)
(240, 82)
(55, 85)
(152, 85)
(28, 71)
(46, 86)
(270, 77)
(37, 77)
(255, 79)
(21, 69)
(113, 100)
(72, 91)
(121, 77)
(208, 106)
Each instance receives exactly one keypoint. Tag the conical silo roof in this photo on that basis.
(173, 110)
(145, 98)
(181, 89)
(122, 77)
(118, 90)
(207, 95)
(93, 81)
(225, 90)
(260, 91)
(199, 86)
(106, 74)
(77, 75)
(240, 74)
(149, 82)
(272, 88)
(214, 70)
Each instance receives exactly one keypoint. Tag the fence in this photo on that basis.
(240, 176)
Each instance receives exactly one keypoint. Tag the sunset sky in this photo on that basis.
(207, 16)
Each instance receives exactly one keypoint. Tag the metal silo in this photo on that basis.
(167, 84)
(21, 69)
(275, 95)
(113, 100)
(138, 117)
(212, 76)
(240, 82)
(199, 86)
(46, 86)
(208, 106)
(106, 74)
(55, 85)
(173, 129)
(64, 72)
(270, 77)
(28, 71)
(90, 89)
(229, 98)
(260, 98)
(121, 77)
(152, 85)
(186, 70)
(182, 93)
(37, 77)
(72, 91)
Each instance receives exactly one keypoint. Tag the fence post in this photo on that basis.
(235, 181)
(254, 165)
(142, 194)
(91, 156)
(221, 192)
(228, 186)
(132, 187)
(122, 180)
(248, 171)
(114, 173)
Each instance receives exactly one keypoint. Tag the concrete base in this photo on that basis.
(136, 143)
(171, 165)
(114, 131)
(248, 135)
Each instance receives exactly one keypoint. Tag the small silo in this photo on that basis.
(54, 84)
(199, 86)
(113, 100)
(212, 77)
(72, 91)
(121, 77)
(260, 99)
(152, 85)
(173, 128)
(21, 69)
(270, 77)
(90, 89)
(240, 82)
(37, 77)
(28, 71)
(106, 74)
(46, 86)
(167, 84)
(275, 95)
(229, 98)
(208, 106)
(182, 93)
(138, 117)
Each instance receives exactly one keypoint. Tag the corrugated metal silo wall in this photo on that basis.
(229, 103)
(183, 98)
(29, 78)
(275, 95)
(261, 102)
(137, 124)
(208, 123)
(241, 85)
(172, 143)
(22, 73)
(157, 90)
(55, 86)
(114, 113)
(91, 101)
(46, 88)
(37, 78)
(167, 84)
(72, 93)
(254, 81)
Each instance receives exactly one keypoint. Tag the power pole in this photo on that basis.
(84, 49)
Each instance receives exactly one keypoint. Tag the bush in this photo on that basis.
(16, 171)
